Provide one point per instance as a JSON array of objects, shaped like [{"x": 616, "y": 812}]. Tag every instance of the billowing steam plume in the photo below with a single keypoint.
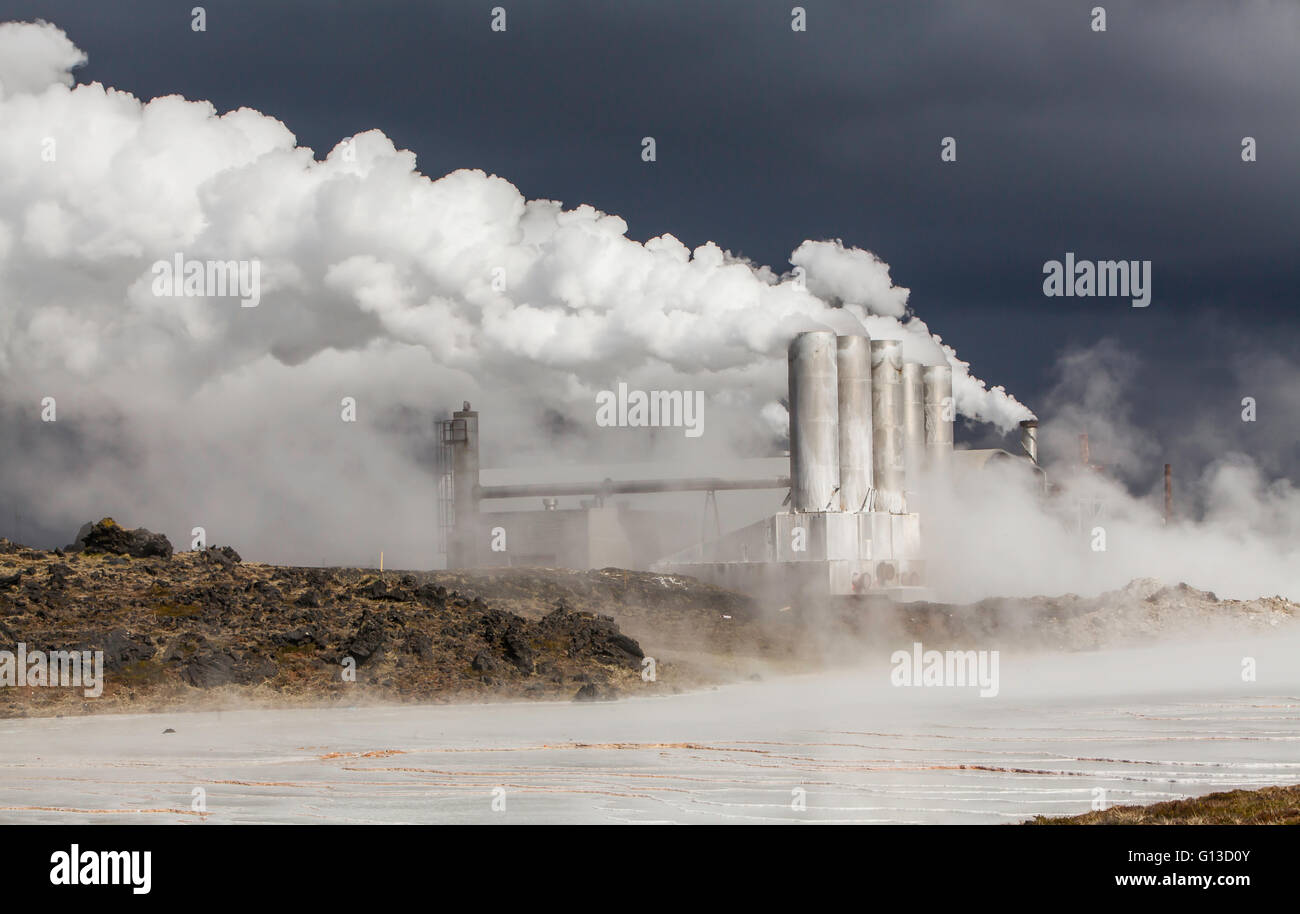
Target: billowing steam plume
[{"x": 377, "y": 283}]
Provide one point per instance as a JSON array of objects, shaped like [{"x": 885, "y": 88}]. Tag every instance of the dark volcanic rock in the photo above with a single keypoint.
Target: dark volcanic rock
[
  {"x": 224, "y": 556},
  {"x": 108, "y": 536},
  {"x": 58, "y": 575},
  {"x": 297, "y": 638},
  {"x": 228, "y": 551},
  {"x": 372, "y": 634},
  {"x": 121, "y": 648},
  {"x": 592, "y": 636},
  {"x": 419, "y": 644},
  {"x": 379, "y": 589},
  {"x": 433, "y": 595},
  {"x": 197, "y": 621},
  {"x": 209, "y": 668},
  {"x": 216, "y": 597},
  {"x": 518, "y": 651},
  {"x": 508, "y": 633},
  {"x": 267, "y": 591},
  {"x": 592, "y": 692}
]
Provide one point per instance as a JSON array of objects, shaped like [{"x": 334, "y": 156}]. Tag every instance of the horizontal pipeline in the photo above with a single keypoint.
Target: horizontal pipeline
[{"x": 630, "y": 487}]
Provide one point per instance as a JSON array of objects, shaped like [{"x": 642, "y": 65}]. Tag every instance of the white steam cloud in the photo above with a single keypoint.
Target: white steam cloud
[
  {"x": 408, "y": 294},
  {"x": 1233, "y": 530},
  {"x": 33, "y": 57}
]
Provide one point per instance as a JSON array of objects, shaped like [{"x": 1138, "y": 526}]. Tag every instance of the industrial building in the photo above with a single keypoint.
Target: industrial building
[{"x": 866, "y": 428}]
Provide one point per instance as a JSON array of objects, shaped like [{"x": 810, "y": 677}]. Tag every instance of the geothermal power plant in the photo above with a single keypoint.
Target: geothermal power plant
[{"x": 868, "y": 431}]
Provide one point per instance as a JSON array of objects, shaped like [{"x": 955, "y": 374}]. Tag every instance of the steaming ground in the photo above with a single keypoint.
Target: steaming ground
[
  {"x": 204, "y": 630},
  {"x": 1139, "y": 693},
  {"x": 1126, "y": 726}
]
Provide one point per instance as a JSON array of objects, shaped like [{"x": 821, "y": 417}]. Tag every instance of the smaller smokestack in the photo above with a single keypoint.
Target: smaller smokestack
[
  {"x": 1169, "y": 492},
  {"x": 462, "y": 548},
  {"x": 1085, "y": 458},
  {"x": 1029, "y": 439}
]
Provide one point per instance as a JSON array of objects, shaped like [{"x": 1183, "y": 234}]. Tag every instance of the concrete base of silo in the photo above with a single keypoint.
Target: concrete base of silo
[{"x": 793, "y": 557}]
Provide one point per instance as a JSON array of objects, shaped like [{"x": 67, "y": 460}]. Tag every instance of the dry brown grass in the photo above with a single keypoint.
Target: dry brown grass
[{"x": 1266, "y": 806}]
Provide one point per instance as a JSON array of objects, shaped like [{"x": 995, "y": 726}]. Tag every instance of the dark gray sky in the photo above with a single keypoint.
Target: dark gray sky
[{"x": 1124, "y": 144}]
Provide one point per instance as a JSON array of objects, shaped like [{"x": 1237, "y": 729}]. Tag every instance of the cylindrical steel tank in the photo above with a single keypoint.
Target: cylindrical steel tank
[
  {"x": 887, "y": 423},
  {"x": 939, "y": 413},
  {"x": 913, "y": 420},
  {"x": 853, "y": 370},
  {"x": 814, "y": 422}
]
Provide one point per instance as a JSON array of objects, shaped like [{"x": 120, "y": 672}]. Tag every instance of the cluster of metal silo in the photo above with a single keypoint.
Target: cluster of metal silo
[{"x": 861, "y": 419}]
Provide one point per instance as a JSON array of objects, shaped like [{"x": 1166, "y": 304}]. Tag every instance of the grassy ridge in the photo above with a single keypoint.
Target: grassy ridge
[{"x": 1266, "y": 806}]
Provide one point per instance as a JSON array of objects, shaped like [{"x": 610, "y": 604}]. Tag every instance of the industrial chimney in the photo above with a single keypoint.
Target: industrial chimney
[
  {"x": 853, "y": 368},
  {"x": 814, "y": 422},
  {"x": 462, "y": 546},
  {"x": 1029, "y": 439},
  {"x": 887, "y": 424}
]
